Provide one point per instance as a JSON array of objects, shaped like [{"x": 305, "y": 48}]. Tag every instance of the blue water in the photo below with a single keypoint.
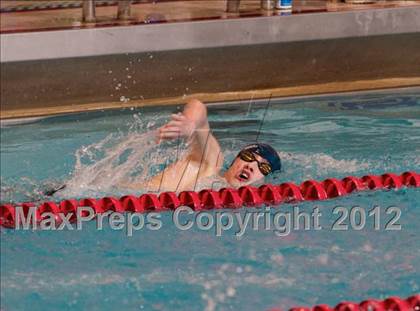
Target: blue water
[{"x": 171, "y": 269}]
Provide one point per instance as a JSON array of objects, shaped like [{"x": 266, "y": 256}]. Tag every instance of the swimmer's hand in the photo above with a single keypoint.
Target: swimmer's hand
[{"x": 179, "y": 127}]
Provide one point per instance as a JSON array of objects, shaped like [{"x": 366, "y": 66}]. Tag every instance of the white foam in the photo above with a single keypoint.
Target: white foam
[
  {"x": 318, "y": 127},
  {"x": 100, "y": 167},
  {"x": 324, "y": 162},
  {"x": 119, "y": 159}
]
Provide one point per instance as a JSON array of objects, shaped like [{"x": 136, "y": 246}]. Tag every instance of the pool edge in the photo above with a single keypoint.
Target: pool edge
[{"x": 231, "y": 96}]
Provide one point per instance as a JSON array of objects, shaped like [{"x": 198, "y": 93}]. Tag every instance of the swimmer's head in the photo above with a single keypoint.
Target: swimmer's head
[{"x": 252, "y": 164}]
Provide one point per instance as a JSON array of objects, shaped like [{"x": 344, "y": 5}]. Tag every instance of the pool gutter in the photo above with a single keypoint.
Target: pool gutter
[{"x": 225, "y": 97}]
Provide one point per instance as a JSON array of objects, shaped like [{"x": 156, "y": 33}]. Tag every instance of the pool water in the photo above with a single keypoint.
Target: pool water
[{"x": 171, "y": 269}]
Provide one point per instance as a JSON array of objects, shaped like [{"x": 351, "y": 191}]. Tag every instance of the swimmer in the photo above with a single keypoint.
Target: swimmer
[{"x": 205, "y": 157}]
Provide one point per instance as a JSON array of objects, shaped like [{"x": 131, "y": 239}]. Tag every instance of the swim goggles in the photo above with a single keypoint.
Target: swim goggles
[{"x": 249, "y": 156}]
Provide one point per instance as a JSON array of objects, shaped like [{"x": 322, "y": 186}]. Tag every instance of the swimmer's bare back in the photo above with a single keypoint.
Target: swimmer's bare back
[{"x": 182, "y": 175}]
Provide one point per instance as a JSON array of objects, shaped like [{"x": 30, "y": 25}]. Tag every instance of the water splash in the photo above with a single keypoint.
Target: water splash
[
  {"x": 106, "y": 167},
  {"x": 102, "y": 166},
  {"x": 24, "y": 189},
  {"x": 324, "y": 162}
]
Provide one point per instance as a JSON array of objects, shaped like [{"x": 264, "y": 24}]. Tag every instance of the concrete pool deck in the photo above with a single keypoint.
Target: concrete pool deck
[{"x": 49, "y": 65}]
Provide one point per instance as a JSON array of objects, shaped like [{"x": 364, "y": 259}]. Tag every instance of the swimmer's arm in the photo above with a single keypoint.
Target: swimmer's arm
[
  {"x": 205, "y": 148},
  {"x": 193, "y": 123},
  {"x": 205, "y": 151}
]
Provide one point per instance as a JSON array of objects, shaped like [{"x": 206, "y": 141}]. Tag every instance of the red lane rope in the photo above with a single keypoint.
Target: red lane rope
[
  {"x": 249, "y": 196},
  {"x": 411, "y": 303}
]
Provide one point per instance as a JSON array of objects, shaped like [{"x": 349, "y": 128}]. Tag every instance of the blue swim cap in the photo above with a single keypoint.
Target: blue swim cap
[{"x": 268, "y": 153}]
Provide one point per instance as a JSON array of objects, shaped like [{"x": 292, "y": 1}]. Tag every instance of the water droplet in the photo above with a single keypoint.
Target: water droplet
[
  {"x": 230, "y": 291},
  {"x": 124, "y": 99}
]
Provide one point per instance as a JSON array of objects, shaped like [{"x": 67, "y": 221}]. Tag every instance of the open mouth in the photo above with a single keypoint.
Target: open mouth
[{"x": 243, "y": 176}]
